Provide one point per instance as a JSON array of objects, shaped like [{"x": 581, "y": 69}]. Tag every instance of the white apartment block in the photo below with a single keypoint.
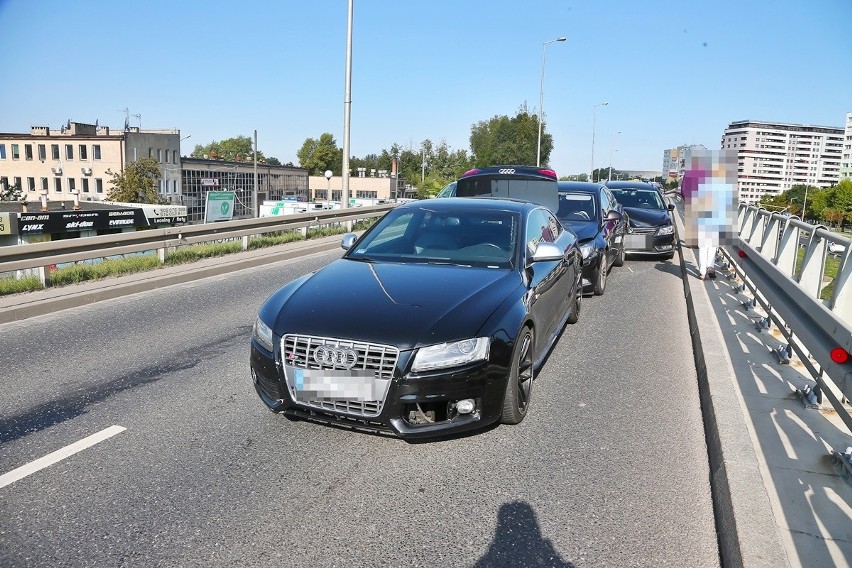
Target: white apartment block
[
  {"x": 774, "y": 156},
  {"x": 74, "y": 160},
  {"x": 846, "y": 160}
]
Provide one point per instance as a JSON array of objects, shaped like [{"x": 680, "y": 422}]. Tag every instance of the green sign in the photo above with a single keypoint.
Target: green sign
[{"x": 219, "y": 207}]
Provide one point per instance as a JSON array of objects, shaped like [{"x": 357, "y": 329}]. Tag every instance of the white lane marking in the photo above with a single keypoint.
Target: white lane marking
[{"x": 59, "y": 455}]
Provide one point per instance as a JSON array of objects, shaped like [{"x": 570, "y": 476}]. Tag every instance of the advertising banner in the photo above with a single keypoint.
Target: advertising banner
[
  {"x": 219, "y": 206},
  {"x": 74, "y": 221},
  {"x": 5, "y": 224}
]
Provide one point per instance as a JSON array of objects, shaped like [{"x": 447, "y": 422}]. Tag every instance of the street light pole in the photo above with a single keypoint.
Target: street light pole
[
  {"x": 347, "y": 111},
  {"x": 594, "y": 109},
  {"x": 541, "y": 96},
  {"x": 611, "y": 150}
]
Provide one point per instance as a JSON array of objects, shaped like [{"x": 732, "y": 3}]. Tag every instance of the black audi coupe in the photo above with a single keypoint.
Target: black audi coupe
[{"x": 432, "y": 323}]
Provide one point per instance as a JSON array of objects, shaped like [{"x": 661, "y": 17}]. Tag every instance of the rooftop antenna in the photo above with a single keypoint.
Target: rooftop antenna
[{"x": 139, "y": 117}]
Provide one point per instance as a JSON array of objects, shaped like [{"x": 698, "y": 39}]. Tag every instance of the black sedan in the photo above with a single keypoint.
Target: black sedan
[
  {"x": 591, "y": 211},
  {"x": 650, "y": 230},
  {"x": 433, "y": 322}
]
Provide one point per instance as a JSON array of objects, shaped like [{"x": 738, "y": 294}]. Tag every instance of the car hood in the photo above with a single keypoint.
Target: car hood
[
  {"x": 648, "y": 217},
  {"x": 583, "y": 229},
  {"x": 405, "y": 305}
]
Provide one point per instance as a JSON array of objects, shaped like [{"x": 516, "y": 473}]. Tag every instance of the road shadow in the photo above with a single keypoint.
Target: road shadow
[{"x": 518, "y": 541}]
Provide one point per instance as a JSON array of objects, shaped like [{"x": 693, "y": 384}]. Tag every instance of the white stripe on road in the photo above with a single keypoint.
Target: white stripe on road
[{"x": 59, "y": 455}]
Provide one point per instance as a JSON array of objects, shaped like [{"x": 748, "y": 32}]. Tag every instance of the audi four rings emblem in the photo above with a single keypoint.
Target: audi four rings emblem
[
  {"x": 507, "y": 171},
  {"x": 335, "y": 356}
]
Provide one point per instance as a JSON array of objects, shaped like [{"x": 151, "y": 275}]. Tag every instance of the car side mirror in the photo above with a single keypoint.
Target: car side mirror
[
  {"x": 348, "y": 240},
  {"x": 671, "y": 207},
  {"x": 547, "y": 252},
  {"x": 613, "y": 215}
]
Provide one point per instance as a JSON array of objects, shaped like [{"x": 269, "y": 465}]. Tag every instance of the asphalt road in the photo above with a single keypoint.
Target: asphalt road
[{"x": 608, "y": 469}]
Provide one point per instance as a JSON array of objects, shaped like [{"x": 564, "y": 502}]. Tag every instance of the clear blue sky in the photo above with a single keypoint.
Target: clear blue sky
[{"x": 673, "y": 71}]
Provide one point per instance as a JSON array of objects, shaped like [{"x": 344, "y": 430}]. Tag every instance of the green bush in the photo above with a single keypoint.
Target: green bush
[
  {"x": 272, "y": 239},
  {"x": 16, "y": 285},
  {"x": 109, "y": 267},
  {"x": 197, "y": 252}
]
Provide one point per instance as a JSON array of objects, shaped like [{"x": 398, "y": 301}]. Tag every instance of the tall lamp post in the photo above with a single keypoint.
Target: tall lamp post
[
  {"x": 594, "y": 109},
  {"x": 541, "y": 96},
  {"x": 611, "y": 150}
]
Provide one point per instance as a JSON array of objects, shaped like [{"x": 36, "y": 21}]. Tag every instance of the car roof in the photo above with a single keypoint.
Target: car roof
[
  {"x": 630, "y": 185},
  {"x": 511, "y": 169},
  {"x": 584, "y": 186}
]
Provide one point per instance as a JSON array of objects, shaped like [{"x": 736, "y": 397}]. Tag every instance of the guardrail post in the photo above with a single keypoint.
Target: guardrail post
[
  {"x": 841, "y": 298},
  {"x": 245, "y": 242},
  {"x": 162, "y": 253},
  {"x": 786, "y": 258},
  {"x": 42, "y": 272},
  {"x": 810, "y": 277},
  {"x": 769, "y": 244}
]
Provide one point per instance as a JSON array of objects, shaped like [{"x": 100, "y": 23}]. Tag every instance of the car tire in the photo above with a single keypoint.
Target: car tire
[
  {"x": 669, "y": 256},
  {"x": 619, "y": 258},
  {"x": 574, "y": 317},
  {"x": 521, "y": 376},
  {"x": 600, "y": 275}
]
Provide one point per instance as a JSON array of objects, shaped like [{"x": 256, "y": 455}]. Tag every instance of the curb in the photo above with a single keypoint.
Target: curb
[
  {"x": 22, "y": 306},
  {"x": 745, "y": 525}
]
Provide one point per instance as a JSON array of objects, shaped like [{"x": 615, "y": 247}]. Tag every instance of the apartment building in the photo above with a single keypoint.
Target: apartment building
[
  {"x": 846, "y": 160},
  {"x": 774, "y": 156},
  {"x": 676, "y": 159},
  {"x": 74, "y": 160}
]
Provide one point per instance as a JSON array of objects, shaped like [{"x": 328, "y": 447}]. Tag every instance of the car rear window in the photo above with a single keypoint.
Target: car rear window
[
  {"x": 536, "y": 190},
  {"x": 639, "y": 198},
  {"x": 576, "y": 207}
]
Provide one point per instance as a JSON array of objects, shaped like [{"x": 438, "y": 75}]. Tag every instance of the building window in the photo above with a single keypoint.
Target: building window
[
  {"x": 84, "y": 155},
  {"x": 159, "y": 155},
  {"x": 2, "y": 151},
  {"x": 54, "y": 151},
  {"x": 44, "y": 185},
  {"x": 28, "y": 151},
  {"x": 69, "y": 151},
  {"x": 30, "y": 184},
  {"x": 16, "y": 152},
  {"x": 42, "y": 152},
  {"x": 174, "y": 186},
  {"x": 17, "y": 183},
  {"x": 57, "y": 184},
  {"x": 96, "y": 151},
  {"x": 85, "y": 183},
  {"x": 99, "y": 185},
  {"x": 72, "y": 184},
  {"x": 174, "y": 156},
  {"x": 150, "y": 152}
]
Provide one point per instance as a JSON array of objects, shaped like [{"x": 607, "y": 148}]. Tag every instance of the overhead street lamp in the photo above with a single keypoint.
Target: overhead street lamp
[
  {"x": 594, "y": 108},
  {"x": 611, "y": 150},
  {"x": 541, "y": 96}
]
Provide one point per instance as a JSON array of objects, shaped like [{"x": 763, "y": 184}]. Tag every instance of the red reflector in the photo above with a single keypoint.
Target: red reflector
[
  {"x": 470, "y": 173},
  {"x": 548, "y": 173},
  {"x": 839, "y": 355},
  {"x": 741, "y": 254}
]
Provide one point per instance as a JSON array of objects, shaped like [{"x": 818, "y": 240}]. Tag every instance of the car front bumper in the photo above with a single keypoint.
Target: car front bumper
[
  {"x": 415, "y": 406},
  {"x": 648, "y": 243}
]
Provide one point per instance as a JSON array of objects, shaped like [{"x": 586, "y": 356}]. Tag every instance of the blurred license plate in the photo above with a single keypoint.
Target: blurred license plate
[
  {"x": 328, "y": 384},
  {"x": 638, "y": 242}
]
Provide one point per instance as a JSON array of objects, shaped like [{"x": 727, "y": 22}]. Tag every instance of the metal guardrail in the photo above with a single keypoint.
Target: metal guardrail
[
  {"x": 41, "y": 255},
  {"x": 791, "y": 292}
]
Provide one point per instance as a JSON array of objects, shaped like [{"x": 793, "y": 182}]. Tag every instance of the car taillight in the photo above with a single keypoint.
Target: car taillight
[
  {"x": 470, "y": 173},
  {"x": 548, "y": 173},
  {"x": 839, "y": 355}
]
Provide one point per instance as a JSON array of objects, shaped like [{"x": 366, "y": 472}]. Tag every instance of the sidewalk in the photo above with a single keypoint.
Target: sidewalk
[
  {"x": 779, "y": 501},
  {"x": 21, "y": 306}
]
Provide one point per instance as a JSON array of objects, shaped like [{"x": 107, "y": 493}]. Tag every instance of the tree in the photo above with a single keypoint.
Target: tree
[
  {"x": 504, "y": 140},
  {"x": 138, "y": 183},
  {"x": 317, "y": 156},
  {"x": 236, "y": 149},
  {"x": 10, "y": 192}
]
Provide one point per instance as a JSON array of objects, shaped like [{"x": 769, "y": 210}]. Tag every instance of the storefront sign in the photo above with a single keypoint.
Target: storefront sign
[{"x": 219, "y": 206}]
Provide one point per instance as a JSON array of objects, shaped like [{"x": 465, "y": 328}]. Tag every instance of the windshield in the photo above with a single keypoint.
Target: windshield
[
  {"x": 448, "y": 191},
  {"x": 639, "y": 198},
  {"x": 576, "y": 207},
  {"x": 481, "y": 237}
]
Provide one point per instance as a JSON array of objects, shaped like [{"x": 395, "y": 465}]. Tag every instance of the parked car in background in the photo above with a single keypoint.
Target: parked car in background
[
  {"x": 433, "y": 322},
  {"x": 836, "y": 248},
  {"x": 527, "y": 183},
  {"x": 650, "y": 230},
  {"x": 592, "y": 212}
]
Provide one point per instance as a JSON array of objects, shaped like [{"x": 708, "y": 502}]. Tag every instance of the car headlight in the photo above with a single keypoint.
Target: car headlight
[
  {"x": 667, "y": 230},
  {"x": 451, "y": 354},
  {"x": 262, "y": 334},
  {"x": 587, "y": 249}
]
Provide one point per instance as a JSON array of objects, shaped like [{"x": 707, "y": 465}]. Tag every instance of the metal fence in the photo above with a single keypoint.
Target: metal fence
[
  {"x": 800, "y": 275},
  {"x": 39, "y": 256}
]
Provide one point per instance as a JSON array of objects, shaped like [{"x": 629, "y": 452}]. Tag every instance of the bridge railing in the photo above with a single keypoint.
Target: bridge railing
[
  {"x": 783, "y": 261},
  {"x": 39, "y": 256}
]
